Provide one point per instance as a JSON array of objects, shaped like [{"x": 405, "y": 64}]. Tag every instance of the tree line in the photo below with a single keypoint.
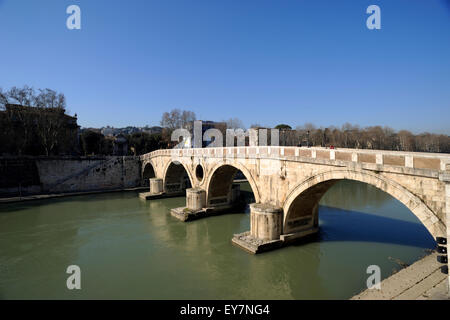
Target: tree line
[
  {"x": 373, "y": 137},
  {"x": 36, "y": 123},
  {"x": 93, "y": 142}
]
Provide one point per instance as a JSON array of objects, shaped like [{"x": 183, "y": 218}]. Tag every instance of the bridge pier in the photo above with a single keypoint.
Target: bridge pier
[
  {"x": 266, "y": 221},
  {"x": 156, "y": 186},
  {"x": 266, "y": 230},
  {"x": 195, "y": 199},
  {"x": 266, "y": 227},
  {"x": 195, "y": 206},
  {"x": 156, "y": 190}
]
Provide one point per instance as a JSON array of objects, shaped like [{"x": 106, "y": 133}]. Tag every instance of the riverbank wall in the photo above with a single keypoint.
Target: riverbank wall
[{"x": 21, "y": 176}]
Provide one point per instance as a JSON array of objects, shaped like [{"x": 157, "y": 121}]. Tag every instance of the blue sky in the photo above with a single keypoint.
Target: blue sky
[{"x": 265, "y": 62}]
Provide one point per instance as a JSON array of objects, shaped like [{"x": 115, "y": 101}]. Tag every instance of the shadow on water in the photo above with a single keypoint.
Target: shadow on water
[{"x": 353, "y": 226}]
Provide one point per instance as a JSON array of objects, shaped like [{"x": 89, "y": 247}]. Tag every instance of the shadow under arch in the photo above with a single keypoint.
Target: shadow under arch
[
  {"x": 176, "y": 178},
  {"x": 220, "y": 182},
  {"x": 301, "y": 205},
  {"x": 148, "y": 172},
  {"x": 355, "y": 226}
]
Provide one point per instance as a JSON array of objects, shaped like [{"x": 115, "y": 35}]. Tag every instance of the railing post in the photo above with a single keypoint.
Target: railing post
[
  {"x": 379, "y": 158},
  {"x": 409, "y": 161}
]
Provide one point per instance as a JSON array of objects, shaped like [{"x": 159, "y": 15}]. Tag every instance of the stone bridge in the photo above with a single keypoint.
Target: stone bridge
[{"x": 288, "y": 183}]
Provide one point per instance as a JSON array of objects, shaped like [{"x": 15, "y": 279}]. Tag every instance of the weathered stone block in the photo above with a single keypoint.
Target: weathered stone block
[
  {"x": 265, "y": 221},
  {"x": 156, "y": 186},
  {"x": 195, "y": 199}
]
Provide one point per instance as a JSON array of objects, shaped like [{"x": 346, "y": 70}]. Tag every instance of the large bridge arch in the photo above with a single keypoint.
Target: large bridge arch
[
  {"x": 175, "y": 174},
  {"x": 302, "y": 201},
  {"x": 229, "y": 170}
]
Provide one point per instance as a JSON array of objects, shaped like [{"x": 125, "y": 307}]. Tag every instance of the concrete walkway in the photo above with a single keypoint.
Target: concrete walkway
[{"x": 422, "y": 280}]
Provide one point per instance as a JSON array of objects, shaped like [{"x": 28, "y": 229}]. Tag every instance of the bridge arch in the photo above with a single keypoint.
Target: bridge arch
[
  {"x": 176, "y": 177},
  {"x": 302, "y": 201},
  {"x": 148, "y": 171},
  {"x": 227, "y": 171}
]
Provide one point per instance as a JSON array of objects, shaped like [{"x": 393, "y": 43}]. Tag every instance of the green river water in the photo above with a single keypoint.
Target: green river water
[{"x": 133, "y": 249}]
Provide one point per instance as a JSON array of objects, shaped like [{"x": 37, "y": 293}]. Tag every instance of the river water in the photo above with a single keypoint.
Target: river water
[{"x": 127, "y": 248}]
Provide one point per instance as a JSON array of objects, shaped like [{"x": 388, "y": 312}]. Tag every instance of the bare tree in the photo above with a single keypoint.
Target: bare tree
[
  {"x": 16, "y": 118},
  {"x": 235, "y": 123},
  {"x": 187, "y": 117},
  {"x": 375, "y": 137},
  {"x": 351, "y": 137},
  {"x": 23, "y": 96},
  {"x": 170, "y": 120},
  {"x": 45, "y": 117},
  {"x": 27, "y": 97},
  {"x": 405, "y": 140},
  {"x": 48, "y": 98},
  {"x": 306, "y": 127},
  {"x": 177, "y": 119},
  {"x": 49, "y": 127}
]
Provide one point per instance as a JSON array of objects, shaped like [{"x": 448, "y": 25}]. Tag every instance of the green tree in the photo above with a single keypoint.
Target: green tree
[{"x": 283, "y": 126}]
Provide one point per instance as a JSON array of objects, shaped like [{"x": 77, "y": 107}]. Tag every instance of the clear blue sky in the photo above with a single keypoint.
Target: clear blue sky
[{"x": 265, "y": 62}]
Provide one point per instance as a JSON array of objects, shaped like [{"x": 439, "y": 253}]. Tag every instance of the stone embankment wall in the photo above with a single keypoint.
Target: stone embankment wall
[{"x": 67, "y": 174}]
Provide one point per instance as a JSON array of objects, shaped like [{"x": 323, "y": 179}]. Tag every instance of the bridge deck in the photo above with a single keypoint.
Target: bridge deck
[{"x": 372, "y": 158}]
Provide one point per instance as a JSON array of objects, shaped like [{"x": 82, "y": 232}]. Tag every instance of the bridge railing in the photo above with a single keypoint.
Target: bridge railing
[{"x": 414, "y": 160}]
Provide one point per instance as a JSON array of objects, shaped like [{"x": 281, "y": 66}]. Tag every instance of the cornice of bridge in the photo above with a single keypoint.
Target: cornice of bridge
[{"x": 414, "y": 163}]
